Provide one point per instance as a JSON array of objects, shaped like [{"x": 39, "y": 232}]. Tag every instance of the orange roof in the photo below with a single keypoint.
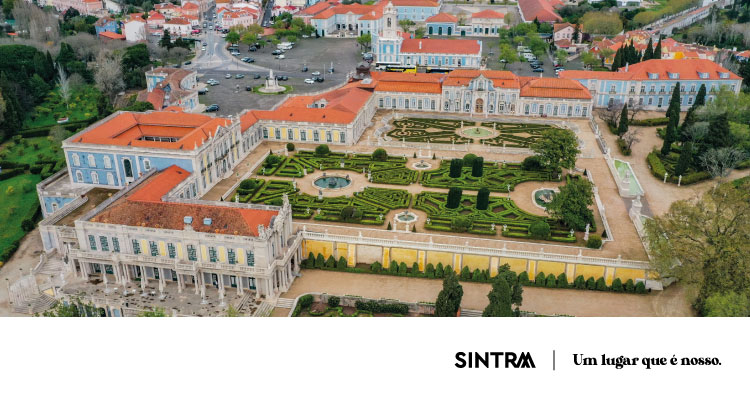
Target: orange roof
[
  {"x": 491, "y": 14},
  {"x": 564, "y": 43},
  {"x": 156, "y": 15},
  {"x": 745, "y": 54},
  {"x": 325, "y": 14},
  {"x": 543, "y": 10},
  {"x": 318, "y": 7},
  {"x": 559, "y": 27},
  {"x": 156, "y": 98},
  {"x": 408, "y": 87},
  {"x": 686, "y": 68},
  {"x": 190, "y": 6},
  {"x": 145, "y": 207},
  {"x": 128, "y": 129},
  {"x": 462, "y": 77},
  {"x": 442, "y": 17},
  {"x": 440, "y": 46},
  {"x": 599, "y": 75},
  {"x": 112, "y": 35},
  {"x": 247, "y": 120},
  {"x": 342, "y": 106},
  {"x": 553, "y": 88},
  {"x": 178, "y": 21},
  {"x": 414, "y": 3}
]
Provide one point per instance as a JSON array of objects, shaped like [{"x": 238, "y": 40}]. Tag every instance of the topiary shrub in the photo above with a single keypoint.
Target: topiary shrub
[
  {"x": 579, "y": 282},
  {"x": 540, "y": 279},
  {"x": 594, "y": 242},
  {"x": 305, "y": 301},
  {"x": 376, "y": 267},
  {"x": 415, "y": 270},
  {"x": 247, "y": 184},
  {"x": 272, "y": 160},
  {"x": 532, "y": 163},
  {"x": 342, "y": 263},
  {"x": 414, "y": 229},
  {"x": 290, "y": 146},
  {"x": 27, "y": 225},
  {"x": 539, "y": 229},
  {"x": 469, "y": 159},
  {"x": 551, "y": 281},
  {"x": 429, "y": 271},
  {"x": 322, "y": 150},
  {"x": 617, "y": 285},
  {"x": 402, "y": 269},
  {"x": 640, "y": 287},
  {"x": 591, "y": 284},
  {"x": 320, "y": 261},
  {"x": 334, "y": 301},
  {"x": 465, "y": 274},
  {"x": 389, "y": 226},
  {"x": 477, "y": 275},
  {"x": 523, "y": 278},
  {"x": 483, "y": 198},
  {"x": 562, "y": 281},
  {"x": 601, "y": 285},
  {"x": 393, "y": 269},
  {"x": 439, "y": 271},
  {"x": 477, "y": 167},
  {"x": 331, "y": 262},
  {"x": 454, "y": 197},
  {"x": 629, "y": 286},
  {"x": 455, "y": 169},
  {"x": 461, "y": 224},
  {"x": 379, "y": 155}
]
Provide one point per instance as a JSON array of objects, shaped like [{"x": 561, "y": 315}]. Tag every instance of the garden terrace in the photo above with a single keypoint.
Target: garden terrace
[
  {"x": 392, "y": 170},
  {"x": 500, "y": 211},
  {"x": 433, "y": 130},
  {"x": 496, "y": 178},
  {"x": 370, "y": 204}
]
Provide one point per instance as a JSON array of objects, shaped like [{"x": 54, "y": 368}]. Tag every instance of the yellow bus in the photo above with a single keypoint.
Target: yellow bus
[{"x": 401, "y": 68}]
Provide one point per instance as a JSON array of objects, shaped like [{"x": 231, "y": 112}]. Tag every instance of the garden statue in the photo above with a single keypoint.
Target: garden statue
[
  {"x": 307, "y": 211},
  {"x": 263, "y": 171},
  {"x": 318, "y": 211},
  {"x": 679, "y": 180},
  {"x": 236, "y": 198},
  {"x": 586, "y": 235},
  {"x": 294, "y": 184},
  {"x": 304, "y": 171},
  {"x": 571, "y": 233},
  {"x": 380, "y": 217},
  {"x": 665, "y": 177},
  {"x": 320, "y": 195},
  {"x": 428, "y": 221},
  {"x": 505, "y": 228},
  {"x": 492, "y": 226},
  {"x": 341, "y": 163}
]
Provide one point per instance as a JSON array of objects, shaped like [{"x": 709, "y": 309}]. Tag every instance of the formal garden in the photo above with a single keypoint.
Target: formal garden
[
  {"x": 448, "y": 131},
  {"x": 333, "y": 307},
  {"x": 81, "y": 106},
  {"x": 472, "y": 173}
]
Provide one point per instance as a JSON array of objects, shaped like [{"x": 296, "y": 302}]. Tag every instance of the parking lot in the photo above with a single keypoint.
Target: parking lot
[
  {"x": 316, "y": 54},
  {"x": 521, "y": 68}
]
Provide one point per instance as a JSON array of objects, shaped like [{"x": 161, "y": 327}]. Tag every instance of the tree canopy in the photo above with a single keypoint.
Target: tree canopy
[
  {"x": 557, "y": 148},
  {"x": 572, "y": 204}
]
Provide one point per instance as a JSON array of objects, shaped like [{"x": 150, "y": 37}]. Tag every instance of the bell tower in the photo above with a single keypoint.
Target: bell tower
[{"x": 390, "y": 21}]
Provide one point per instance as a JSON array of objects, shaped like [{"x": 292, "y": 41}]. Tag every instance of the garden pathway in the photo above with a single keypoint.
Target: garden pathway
[{"x": 583, "y": 303}]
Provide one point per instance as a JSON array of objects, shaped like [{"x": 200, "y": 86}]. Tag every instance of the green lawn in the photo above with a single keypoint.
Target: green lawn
[
  {"x": 16, "y": 206},
  {"x": 34, "y": 150},
  {"x": 82, "y": 107}
]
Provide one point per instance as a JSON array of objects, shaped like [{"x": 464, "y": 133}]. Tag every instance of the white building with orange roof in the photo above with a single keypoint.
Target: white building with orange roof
[
  {"x": 170, "y": 87},
  {"x": 237, "y": 18},
  {"x": 487, "y": 23},
  {"x": 134, "y": 28},
  {"x": 85, "y": 7},
  {"x": 167, "y": 9},
  {"x": 442, "y": 24},
  {"x": 178, "y": 26},
  {"x": 156, "y": 20},
  {"x": 203, "y": 5}
]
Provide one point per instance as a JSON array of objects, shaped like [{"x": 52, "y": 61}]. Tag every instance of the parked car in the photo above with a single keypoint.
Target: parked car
[
  {"x": 256, "y": 76},
  {"x": 316, "y": 73},
  {"x": 319, "y": 79},
  {"x": 309, "y": 81},
  {"x": 304, "y": 68},
  {"x": 253, "y": 48},
  {"x": 283, "y": 78},
  {"x": 276, "y": 52},
  {"x": 239, "y": 76},
  {"x": 280, "y": 57},
  {"x": 244, "y": 59},
  {"x": 188, "y": 62},
  {"x": 212, "y": 108},
  {"x": 305, "y": 36},
  {"x": 212, "y": 82},
  {"x": 235, "y": 53},
  {"x": 203, "y": 91},
  {"x": 248, "y": 88},
  {"x": 331, "y": 70},
  {"x": 228, "y": 76},
  {"x": 250, "y": 60},
  {"x": 538, "y": 70}
]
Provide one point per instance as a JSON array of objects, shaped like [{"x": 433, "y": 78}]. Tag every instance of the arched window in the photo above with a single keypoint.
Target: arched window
[
  {"x": 110, "y": 179},
  {"x": 79, "y": 176},
  {"x": 76, "y": 160},
  {"x": 389, "y": 22},
  {"x": 92, "y": 161},
  {"x": 107, "y": 162},
  {"x": 128, "y": 167},
  {"x": 146, "y": 164},
  {"x": 94, "y": 178}
]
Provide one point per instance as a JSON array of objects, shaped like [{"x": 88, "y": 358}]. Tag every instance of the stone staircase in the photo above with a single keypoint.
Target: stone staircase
[
  {"x": 52, "y": 266},
  {"x": 34, "y": 304},
  {"x": 246, "y": 299},
  {"x": 470, "y": 313},
  {"x": 265, "y": 309},
  {"x": 284, "y": 303},
  {"x": 27, "y": 298}
]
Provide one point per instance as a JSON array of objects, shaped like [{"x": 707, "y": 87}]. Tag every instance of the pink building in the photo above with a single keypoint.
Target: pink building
[
  {"x": 237, "y": 18},
  {"x": 85, "y": 7}
]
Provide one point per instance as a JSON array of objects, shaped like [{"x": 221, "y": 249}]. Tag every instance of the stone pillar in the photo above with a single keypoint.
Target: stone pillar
[
  {"x": 198, "y": 281},
  {"x": 144, "y": 278},
  {"x": 162, "y": 281},
  {"x": 84, "y": 270},
  {"x": 104, "y": 274},
  {"x": 239, "y": 285},
  {"x": 180, "y": 282}
]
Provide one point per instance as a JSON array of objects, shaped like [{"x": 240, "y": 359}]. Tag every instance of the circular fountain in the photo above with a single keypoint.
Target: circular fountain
[
  {"x": 332, "y": 182},
  {"x": 543, "y": 196},
  {"x": 421, "y": 165}
]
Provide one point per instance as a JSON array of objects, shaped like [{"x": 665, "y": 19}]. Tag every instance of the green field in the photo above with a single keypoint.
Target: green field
[
  {"x": 82, "y": 107},
  {"x": 15, "y": 206}
]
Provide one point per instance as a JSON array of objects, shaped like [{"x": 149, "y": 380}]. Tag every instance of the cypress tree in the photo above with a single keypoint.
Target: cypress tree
[
  {"x": 623, "y": 126},
  {"x": 499, "y": 299},
  {"x": 13, "y": 115},
  {"x": 649, "y": 52},
  {"x": 477, "y": 168},
  {"x": 455, "y": 168},
  {"x": 657, "y": 50},
  {"x": 454, "y": 197},
  {"x": 449, "y": 299},
  {"x": 669, "y": 138},
  {"x": 483, "y": 198},
  {"x": 50, "y": 64},
  {"x": 617, "y": 63},
  {"x": 700, "y": 98},
  {"x": 686, "y": 158}
]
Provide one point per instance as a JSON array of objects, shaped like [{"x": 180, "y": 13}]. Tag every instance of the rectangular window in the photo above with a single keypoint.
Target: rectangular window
[
  {"x": 171, "y": 251},
  {"x": 329, "y": 137},
  {"x": 316, "y": 136},
  {"x": 115, "y": 245},
  {"x": 342, "y": 137},
  {"x": 303, "y": 134},
  {"x": 250, "y": 258},
  {"x": 136, "y": 247},
  {"x": 191, "y": 253},
  {"x": 154, "y": 249},
  {"x": 231, "y": 256},
  {"x": 277, "y": 133},
  {"x": 212, "y": 254},
  {"x": 290, "y": 134},
  {"x": 92, "y": 242},
  {"x": 105, "y": 244}
]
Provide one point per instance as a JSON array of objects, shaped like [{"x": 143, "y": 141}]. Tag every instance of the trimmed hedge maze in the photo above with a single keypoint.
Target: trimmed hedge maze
[
  {"x": 368, "y": 205},
  {"x": 443, "y": 131},
  {"x": 495, "y": 178},
  {"x": 393, "y": 170},
  {"x": 434, "y": 130},
  {"x": 501, "y": 211}
]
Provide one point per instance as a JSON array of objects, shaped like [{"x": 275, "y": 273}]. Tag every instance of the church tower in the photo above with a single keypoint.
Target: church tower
[{"x": 387, "y": 44}]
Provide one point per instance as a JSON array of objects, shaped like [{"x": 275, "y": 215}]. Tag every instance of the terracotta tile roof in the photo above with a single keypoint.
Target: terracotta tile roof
[
  {"x": 190, "y": 6},
  {"x": 318, "y": 7},
  {"x": 144, "y": 207},
  {"x": 440, "y": 46},
  {"x": 599, "y": 75},
  {"x": 553, "y": 88},
  {"x": 156, "y": 15},
  {"x": 543, "y": 10},
  {"x": 178, "y": 21},
  {"x": 112, "y": 35},
  {"x": 401, "y": 77},
  {"x": 127, "y": 128},
  {"x": 408, "y": 87},
  {"x": 442, "y": 17},
  {"x": 156, "y": 98},
  {"x": 559, "y": 27},
  {"x": 564, "y": 43},
  {"x": 325, "y": 14},
  {"x": 414, "y": 3},
  {"x": 745, "y": 54},
  {"x": 247, "y": 120},
  {"x": 342, "y": 107},
  {"x": 688, "y": 69},
  {"x": 490, "y": 14},
  {"x": 500, "y": 79},
  {"x": 103, "y": 21}
]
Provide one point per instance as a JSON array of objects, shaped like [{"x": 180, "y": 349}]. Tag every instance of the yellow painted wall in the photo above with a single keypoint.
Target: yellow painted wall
[
  {"x": 162, "y": 248},
  {"x": 315, "y": 246},
  {"x": 341, "y": 250},
  {"x": 517, "y": 265},
  {"x": 222, "y": 254},
  {"x": 408, "y": 256},
  {"x": 532, "y": 270},
  {"x": 204, "y": 253},
  {"x": 178, "y": 246},
  {"x": 420, "y": 260},
  {"x": 494, "y": 262},
  {"x": 386, "y": 257},
  {"x": 549, "y": 267},
  {"x": 474, "y": 261},
  {"x": 351, "y": 256},
  {"x": 629, "y": 273},
  {"x": 457, "y": 262},
  {"x": 435, "y": 257},
  {"x": 588, "y": 271},
  {"x": 145, "y": 248},
  {"x": 296, "y": 134},
  {"x": 241, "y": 256}
]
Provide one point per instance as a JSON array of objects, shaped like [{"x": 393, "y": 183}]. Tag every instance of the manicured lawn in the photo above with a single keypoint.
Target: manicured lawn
[
  {"x": 496, "y": 177},
  {"x": 16, "y": 206},
  {"x": 82, "y": 106},
  {"x": 34, "y": 150}
]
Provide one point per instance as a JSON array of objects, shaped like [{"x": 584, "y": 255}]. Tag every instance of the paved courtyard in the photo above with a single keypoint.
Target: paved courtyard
[{"x": 580, "y": 303}]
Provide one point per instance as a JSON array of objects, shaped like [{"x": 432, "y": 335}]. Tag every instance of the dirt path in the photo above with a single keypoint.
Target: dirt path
[
  {"x": 581, "y": 303},
  {"x": 25, "y": 258}
]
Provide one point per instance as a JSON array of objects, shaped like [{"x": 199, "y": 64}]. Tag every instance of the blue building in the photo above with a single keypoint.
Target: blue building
[
  {"x": 441, "y": 24},
  {"x": 106, "y": 24}
]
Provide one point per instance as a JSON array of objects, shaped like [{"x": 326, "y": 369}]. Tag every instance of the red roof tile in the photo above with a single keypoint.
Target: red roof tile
[
  {"x": 501, "y": 79},
  {"x": 543, "y": 10},
  {"x": 490, "y": 14},
  {"x": 414, "y": 3},
  {"x": 553, "y": 88},
  {"x": 442, "y": 17},
  {"x": 112, "y": 35}
]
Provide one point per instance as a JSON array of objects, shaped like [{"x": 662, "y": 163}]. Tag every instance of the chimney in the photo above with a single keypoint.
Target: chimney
[
  {"x": 420, "y": 45},
  {"x": 626, "y": 66}
]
